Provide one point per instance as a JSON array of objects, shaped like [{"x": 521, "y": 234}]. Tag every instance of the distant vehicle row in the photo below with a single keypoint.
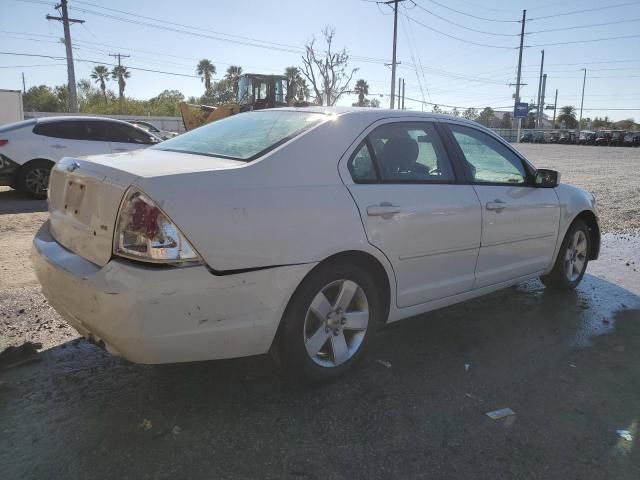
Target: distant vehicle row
[
  {"x": 610, "y": 138},
  {"x": 29, "y": 149}
]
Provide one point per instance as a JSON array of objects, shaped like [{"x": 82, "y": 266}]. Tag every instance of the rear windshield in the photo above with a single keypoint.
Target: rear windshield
[
  {"x": 245, "y": 136},
  {"x": 17, "y": 125}
]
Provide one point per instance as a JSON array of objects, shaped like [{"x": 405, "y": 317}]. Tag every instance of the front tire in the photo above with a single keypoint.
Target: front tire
[
  {"x": 33, "y": 178},
  {"x": 329, "y": 322},
  {"x": 572, "y": 259}
]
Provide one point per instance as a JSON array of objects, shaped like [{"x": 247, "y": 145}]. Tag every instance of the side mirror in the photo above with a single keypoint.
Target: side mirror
[{"x": 547, "y": 178}]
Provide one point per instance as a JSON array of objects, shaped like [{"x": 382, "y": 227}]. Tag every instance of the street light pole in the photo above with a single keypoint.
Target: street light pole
[{"x": 584, "y": 81}]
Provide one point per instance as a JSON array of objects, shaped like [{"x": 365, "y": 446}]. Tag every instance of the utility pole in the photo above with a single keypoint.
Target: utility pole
[
  {"x": 24, "y": 86},
  {"x": 393, "y": 60},
  {"x": 584, "y": 81},
  {"x": 403, "y": 94},
  {"x": 538, "y": 118},
  {"x": 399, "y": 92},
  {"x": 524, "y": 20},
  {"x": 118, "y": 56},
  {"x": 555, "y": 108},
  {"x": 541, "y": 102},
  {"x": 71, "y": 74}
]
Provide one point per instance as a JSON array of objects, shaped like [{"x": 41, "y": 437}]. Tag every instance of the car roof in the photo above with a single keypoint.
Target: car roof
[
  {"x": 376, "y": 113},
  {"x": 82, "y": 118}
]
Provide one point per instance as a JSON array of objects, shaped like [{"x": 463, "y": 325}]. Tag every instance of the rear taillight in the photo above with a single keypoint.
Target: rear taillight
[
  {"x": 3, "y": 142},
  {"x": 144, "y": 232}
]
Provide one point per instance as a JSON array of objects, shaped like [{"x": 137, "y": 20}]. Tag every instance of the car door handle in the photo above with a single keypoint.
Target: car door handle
[
  {"x": 385, "y": 209},
  {"x": 58, "y": 146},
  {"x": 497, "y": 205},
  {"x": 118, "y": 149}
]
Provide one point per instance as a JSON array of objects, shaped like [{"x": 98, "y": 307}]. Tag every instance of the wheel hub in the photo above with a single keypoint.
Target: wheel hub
[{"x": 335, "y": 321}]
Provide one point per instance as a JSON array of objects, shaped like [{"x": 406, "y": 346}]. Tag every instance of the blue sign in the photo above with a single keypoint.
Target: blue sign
[{"x": 520, "y": 110}]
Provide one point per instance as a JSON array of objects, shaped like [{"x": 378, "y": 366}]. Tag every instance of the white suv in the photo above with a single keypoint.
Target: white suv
[{"x": 29, "y": 149}]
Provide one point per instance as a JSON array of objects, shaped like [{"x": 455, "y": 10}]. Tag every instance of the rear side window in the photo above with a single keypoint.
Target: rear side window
[
  {"x": 245, "y": 136},
  {"x": 69, "y": 130},
  {"x": 403, "y": 152}
]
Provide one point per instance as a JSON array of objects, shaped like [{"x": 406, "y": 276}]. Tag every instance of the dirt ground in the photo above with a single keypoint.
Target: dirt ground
[{"x": 567, "y": 364}]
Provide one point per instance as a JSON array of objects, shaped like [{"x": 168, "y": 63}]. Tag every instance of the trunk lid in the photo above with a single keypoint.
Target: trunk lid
[{"x": 85, "y": 194}]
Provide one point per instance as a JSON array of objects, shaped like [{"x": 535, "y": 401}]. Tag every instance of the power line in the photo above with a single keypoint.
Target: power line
[
  {"x": 464, "y": 26},
  {"x": 561, "y": 29},
  {"x": 583, "y": 41},
  {"x": 576, "y": 12},
  {"x": 101, "y": 63},
  {"x": 474, "y": 16},
  {"x": 457, "y": 38}
]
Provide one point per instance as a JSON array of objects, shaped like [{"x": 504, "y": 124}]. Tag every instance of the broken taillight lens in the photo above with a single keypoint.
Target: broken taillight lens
[{"x": 144, "y": 232}]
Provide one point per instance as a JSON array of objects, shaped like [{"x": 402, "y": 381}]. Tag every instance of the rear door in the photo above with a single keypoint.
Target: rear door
[
  {"x": 414, "y": 209},
  {"x": 71, "y": 138},
  {"x": 519, "y": 221}
]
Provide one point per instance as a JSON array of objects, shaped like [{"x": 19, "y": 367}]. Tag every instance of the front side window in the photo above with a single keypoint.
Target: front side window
[
  {"x": 245, "y": 136},
  {"x": 488, "y": 160},
  {"x": 410, "y": 152}
]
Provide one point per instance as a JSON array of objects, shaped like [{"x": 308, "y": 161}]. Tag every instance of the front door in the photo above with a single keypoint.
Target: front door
[
  {"x": 519, "y": 221},
  {"x": 415, "y": 211}
]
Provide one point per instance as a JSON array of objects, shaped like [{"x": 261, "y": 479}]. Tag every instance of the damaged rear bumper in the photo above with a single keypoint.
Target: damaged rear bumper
[{"x": 164, "y": 315}]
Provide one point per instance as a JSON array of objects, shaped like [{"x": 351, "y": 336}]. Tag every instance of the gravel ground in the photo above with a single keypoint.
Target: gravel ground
[
  {"x": 415, "y": 408},
  {"x": 610, "y": 173}
]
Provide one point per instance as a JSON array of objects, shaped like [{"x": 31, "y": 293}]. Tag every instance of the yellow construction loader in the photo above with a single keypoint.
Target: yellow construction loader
[{"x": 255, "y": 92}]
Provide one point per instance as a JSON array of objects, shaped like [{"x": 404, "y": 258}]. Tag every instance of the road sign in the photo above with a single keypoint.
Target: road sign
[{"x": 520, "y": 110}]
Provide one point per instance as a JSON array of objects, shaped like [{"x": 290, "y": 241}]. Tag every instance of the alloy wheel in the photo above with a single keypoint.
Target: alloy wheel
[
  {"x": 336, "y": 323},
  {"x": 575, "y": 256},
  {"x": 37, "y": 180}
]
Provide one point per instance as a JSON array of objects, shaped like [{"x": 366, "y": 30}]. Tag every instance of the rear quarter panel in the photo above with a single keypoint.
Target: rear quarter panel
[{"x": 288, "y": 207}]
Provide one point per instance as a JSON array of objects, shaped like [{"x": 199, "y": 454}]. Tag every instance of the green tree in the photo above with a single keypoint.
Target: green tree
[
  {"x": 166, "y": 103},
  {"x": 206, "y": 69},
  {"x": 294, "y": 83},
  {"x": 120, "y": 73},
  {"x": 100, "y": 75},
  {"x": 362, "y": 90},
  {"x": 568, "y": 116},
  {"x": 220, "y": 93},
  {"x": 507, "y": 120},
  {"x": 455, "y": 112},
  {"x": 233, "y": 76},
  {"x": 470, "y": 113},
  {"x": 486, "y": 116},
  {"x": 374, "y": 103},
  {"x": 436, "y": 109},
  {"x": 42, "y": 99}
]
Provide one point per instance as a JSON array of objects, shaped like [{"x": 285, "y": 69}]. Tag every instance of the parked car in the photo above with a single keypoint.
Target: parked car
[
  {"x": 567, "y": 137},
  {"x": 527, "y": 137},
  {"x": 29, "y": 149},
  {"x": 587, "y": 137},
  {"x": 149, "y": 127},
  {"x": 632, "y": 139},
  {"x": 554, "y": 137},
  {"x": 617, "y": 138},
  {"x": 603, "y": 138},
  {"x": 300, "y": 232}
]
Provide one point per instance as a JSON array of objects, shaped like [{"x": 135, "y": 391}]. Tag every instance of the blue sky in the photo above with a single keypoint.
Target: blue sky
[{"x": 266, "y": 36}]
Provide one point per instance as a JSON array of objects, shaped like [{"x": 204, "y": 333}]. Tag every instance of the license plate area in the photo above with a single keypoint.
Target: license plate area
[{"x": 74, "y": 197}]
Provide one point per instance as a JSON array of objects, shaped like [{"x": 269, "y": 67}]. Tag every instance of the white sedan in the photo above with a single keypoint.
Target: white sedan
[
  {"x": 29, "y": 149},
  {"x": 299, "y": 232}
]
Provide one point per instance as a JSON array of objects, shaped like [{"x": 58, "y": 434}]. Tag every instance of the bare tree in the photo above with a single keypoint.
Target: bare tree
[{"x": 327, "y": 71}]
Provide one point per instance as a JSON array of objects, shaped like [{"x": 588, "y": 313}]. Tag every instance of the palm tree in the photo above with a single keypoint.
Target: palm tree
[
  {"x": 100, "y": 74},
  {"x": 233, "y": 75},
  {"x": 362, "y": 89},
  {"x": 120, "y": 73},
  {"x": 568, "y": 116},
  {"x": 303, "y": 90},
  {"x": 294, "y": 80},
  {"x": 206, "y": 69}
]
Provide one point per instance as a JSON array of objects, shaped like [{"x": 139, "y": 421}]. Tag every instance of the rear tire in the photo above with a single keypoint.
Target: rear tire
[
  {"x": 572, "y": 259},
  {"x": 328, "y": 323},
  {"x": 33, "y": 178}
]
